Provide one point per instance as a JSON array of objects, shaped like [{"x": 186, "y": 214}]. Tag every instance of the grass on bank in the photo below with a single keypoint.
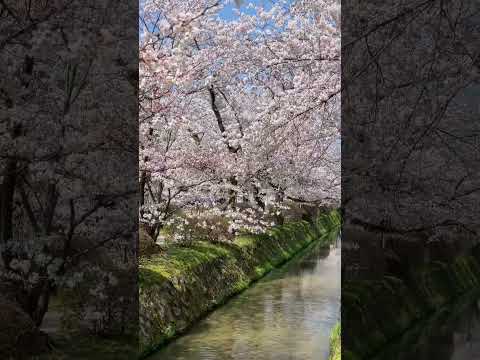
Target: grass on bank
[
  {"x": 178, "y": 260},
  {"x": 336, "y": 343}
]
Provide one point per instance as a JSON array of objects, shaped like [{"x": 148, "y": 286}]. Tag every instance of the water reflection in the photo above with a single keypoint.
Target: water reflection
[
  {"x": 286, "y": 316},
  {"x": 466, "y": 338},
  {"x": 452, "y": 334}
]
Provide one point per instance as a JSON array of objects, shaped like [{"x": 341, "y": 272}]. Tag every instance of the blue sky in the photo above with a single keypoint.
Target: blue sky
[{"x": 228, "y": 12}]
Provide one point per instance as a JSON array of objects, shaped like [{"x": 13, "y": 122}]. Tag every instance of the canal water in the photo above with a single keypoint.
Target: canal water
[
  {"x": 288, "y": 315},
  {"x": 452, "y": 334},
  {"x": 466, "y": 336}
]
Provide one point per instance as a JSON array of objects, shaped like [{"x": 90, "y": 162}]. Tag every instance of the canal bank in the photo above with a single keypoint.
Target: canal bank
[
  {"x": 178, "y": 289},
  {"x": 393, "y": 314},
  {"x": 451, "y": 333},
  {"x": 336, "y": 343},
  {"x": 286, "y": 315}
]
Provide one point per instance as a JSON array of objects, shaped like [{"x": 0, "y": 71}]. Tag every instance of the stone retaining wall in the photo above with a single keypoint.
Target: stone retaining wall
[{"x": 378, "y": 312}]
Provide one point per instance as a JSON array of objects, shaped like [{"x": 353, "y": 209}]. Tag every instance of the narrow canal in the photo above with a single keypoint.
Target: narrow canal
[{"x": 288, "y": 315}]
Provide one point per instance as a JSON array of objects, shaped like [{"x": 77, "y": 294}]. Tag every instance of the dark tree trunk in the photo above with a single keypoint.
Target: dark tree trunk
[
  {"x": 52, "y": 200},
  {"x": 258, "y": 199},
  {"x": 231, "y": 149},
  {"x": 280, "y": 197},
  {"x": 38, "y": 301},
  {"x": 232, "y": 196},
  {"x": 6, "y": 207},
  {"x": 143, "y": 183}
]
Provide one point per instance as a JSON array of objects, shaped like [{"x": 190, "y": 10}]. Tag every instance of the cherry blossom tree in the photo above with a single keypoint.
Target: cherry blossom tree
[
  {"x": 64, "y": 81},
  {"x": 240, "y": 114}
]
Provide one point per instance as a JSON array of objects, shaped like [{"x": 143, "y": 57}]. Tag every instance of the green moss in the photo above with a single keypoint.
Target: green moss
[
  {"x": 405, "y": 304},
  {"x": 180, "y": 260},
  {"x": 245, "y": 241},
  {"x": 149, "y": 277},
  {"x": 335, "y": 343},
  {"x": 262, "y": 270},
  {"x": 241, "y": 285}
]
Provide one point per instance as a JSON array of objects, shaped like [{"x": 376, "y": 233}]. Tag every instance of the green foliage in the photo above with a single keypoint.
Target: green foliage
[
  {"x": 336, "y": 343},
  {"x": 329, "y": 225}
]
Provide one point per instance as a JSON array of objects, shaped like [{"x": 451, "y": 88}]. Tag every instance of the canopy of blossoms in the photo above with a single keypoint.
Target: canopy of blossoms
[{"x": 241, "y": 113}]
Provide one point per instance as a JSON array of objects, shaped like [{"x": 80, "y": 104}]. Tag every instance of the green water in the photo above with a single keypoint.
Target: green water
[{"x": 288, "y": 315}]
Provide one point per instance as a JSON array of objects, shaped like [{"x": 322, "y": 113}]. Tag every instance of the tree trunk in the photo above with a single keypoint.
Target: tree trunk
[
  {"x": 19, "y": 337},
  {"x": 280, "y": 197},
  {"x": 232, "y": 196},
  {"x": 258, "y": 199},
  {"x": 143, "y": 183},
  {"x": 233, "y": 150},
  {"x": 39, "y": 300},
  {"x": 7, "y": 191}
]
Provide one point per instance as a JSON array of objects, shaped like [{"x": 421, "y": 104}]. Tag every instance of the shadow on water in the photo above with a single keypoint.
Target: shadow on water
[
  {"x": 287, "y": 315},
  {"x": 451, "y": 334},
  {"x": 302, "y": 264}
]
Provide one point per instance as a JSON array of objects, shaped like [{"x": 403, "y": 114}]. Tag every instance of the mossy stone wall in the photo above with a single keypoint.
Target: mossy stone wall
[{"x": 384, "y": 310}]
